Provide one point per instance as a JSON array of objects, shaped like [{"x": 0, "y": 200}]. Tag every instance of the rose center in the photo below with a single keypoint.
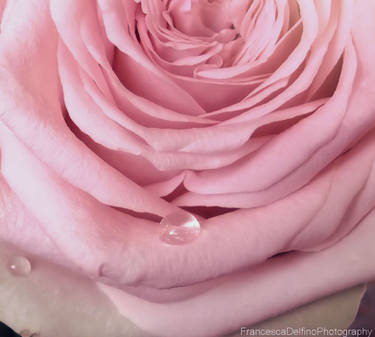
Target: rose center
[{"x": 203, "y": 18}]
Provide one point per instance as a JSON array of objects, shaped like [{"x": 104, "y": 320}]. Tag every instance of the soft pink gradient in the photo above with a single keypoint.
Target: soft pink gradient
[{"x": 258, "y": 118}]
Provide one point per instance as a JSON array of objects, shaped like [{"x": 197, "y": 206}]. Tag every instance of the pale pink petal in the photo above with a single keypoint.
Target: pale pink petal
[{"x": 278, "y": 285}]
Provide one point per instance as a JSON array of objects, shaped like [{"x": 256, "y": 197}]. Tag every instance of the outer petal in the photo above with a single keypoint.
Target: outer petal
[
  {"x": 55, "y": 302},
  {"x": 276, "y": 286}
]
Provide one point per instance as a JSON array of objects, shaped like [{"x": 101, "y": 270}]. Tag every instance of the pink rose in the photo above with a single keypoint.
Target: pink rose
[{"x": 256, "y": 117}]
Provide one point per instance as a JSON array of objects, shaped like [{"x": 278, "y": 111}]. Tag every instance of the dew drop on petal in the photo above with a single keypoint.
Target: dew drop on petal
[
  {"x": 179, "y": 228},
  {"x": 19, "y": 266}
]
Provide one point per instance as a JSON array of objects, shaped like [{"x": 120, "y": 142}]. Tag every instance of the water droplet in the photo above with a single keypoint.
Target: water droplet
[
  {"x": 179, "y": 228},
  {"x": 19, "y": 266}
]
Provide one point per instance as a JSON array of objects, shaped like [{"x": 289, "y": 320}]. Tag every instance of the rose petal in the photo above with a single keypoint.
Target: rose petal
[{"x": 280, "y": 284}]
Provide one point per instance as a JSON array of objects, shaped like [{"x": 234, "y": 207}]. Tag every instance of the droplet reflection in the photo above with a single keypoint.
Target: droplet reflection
[
  {"x": 19, "y": 266},
  {"x": 179, "y": 228}
]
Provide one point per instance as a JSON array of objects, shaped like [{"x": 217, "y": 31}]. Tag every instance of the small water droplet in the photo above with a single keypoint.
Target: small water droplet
[
  {"x": 179, "y": 228},
  {"x": 19, "y": 266}
]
